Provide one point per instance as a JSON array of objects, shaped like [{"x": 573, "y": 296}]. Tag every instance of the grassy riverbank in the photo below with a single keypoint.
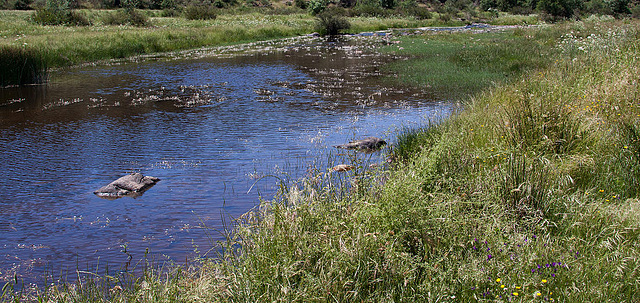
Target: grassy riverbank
[
  {"x": 60, "y": 46},
  {"x": 528, "y": 194}
]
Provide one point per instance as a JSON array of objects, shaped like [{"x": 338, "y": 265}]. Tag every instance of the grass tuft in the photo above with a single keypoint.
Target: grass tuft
[{"x": 21, "y": 65}]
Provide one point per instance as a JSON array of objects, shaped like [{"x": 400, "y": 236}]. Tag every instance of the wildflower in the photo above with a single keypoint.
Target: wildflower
[
  {"x": 515, "y": 294},
  {"x": 544, "y": 281},
  {"x": 489, "y": 257},
  {"x": 518, "y": 287},
  {"x": 498, "y": 280},
  {"x": 502, "y": 286}
]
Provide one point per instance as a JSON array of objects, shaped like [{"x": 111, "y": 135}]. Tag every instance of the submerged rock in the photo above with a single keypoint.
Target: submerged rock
[
  {"x": 369, "y": 144},
  {"x": 130, "y": 185}
]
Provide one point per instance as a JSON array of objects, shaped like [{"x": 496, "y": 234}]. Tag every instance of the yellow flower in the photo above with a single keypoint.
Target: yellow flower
[
  {"x": 498, "y": 280},
  {"x": 515, "y": 294},
  {"x": 544, "y": 281},
  {"x": 517, "y": 287},
  {"x": 502, "y": 286},
  {"x": 538, "y": 294}
]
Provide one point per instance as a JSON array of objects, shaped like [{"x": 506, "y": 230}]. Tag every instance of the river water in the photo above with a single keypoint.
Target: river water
[{"x": 208, "y": 123}]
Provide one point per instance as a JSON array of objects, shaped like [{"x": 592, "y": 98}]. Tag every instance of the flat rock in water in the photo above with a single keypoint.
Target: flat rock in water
[
  {"x": 367, "y": 144},
  {"x": 342, "y": 167},
  {"x": 130, "y": 185}
]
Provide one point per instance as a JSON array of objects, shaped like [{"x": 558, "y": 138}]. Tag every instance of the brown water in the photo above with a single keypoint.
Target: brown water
[{"x": 207, "y": 125}]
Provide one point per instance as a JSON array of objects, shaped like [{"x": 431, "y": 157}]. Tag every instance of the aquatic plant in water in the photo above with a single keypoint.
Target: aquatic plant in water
[{"x": 21, "y": 65}]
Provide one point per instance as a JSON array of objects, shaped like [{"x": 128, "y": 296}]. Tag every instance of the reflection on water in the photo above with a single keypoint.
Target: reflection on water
[{"x": 206, "y": 127}]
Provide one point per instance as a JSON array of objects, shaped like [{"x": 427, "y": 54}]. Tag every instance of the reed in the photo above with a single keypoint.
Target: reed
[{"x": 21, "y": 65}]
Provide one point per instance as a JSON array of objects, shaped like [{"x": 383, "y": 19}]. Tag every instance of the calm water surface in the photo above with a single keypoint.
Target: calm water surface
[{"x": 207, "y": 126}]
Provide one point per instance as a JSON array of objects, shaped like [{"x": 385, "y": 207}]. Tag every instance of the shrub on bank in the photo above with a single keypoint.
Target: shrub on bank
[
  {"x": 48, "y": 16},
  {"x": 199, "y": 12},
  {"x": 331, "y": 23},
  {"x": 125, "y": 17},
  {"x": 420, "y": 13}
]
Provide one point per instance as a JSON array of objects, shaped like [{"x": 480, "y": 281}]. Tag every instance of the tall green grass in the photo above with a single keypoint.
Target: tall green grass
[
  {"x": 21, "y": 65},
  {"x": 462, "y": 64}
]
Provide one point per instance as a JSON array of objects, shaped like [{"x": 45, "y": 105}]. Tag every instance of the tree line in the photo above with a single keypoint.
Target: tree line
[{"x": 551, "y": 9}]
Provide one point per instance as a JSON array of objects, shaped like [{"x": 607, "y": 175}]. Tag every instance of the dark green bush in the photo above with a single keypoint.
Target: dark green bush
[
  {"x": 598, "y": 7},
  {"x": 126, "y": 17},
  {"x": 170, "y": 12},
  {"x": 316, "y": 6},
  {"x": 388, "y": 4},
  {"x": 369, "y": 8},
  {"x": 21, "y": 66},
  {"x": 420, "y": 13},
  {"x": 458, "y": 4},
  {"x": 301, "y": 4},
  {"x": 22, "y": 5},
  {"x": 558, "y": 9},
  {"x": 635, "y": 11},
  {"x": 620, "y": 7},
  {"x": 48, "y": 16},
  {"x": 331, "y": 23},
  {"x": 199, "y": 12}
]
